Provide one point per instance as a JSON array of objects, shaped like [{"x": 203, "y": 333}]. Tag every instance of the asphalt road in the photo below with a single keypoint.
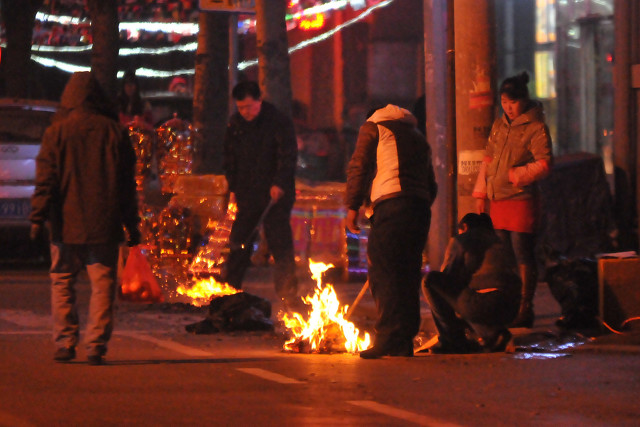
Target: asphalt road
[{"x": 157, "y": 374}]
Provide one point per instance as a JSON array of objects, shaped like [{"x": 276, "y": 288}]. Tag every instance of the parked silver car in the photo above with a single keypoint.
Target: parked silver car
[{"x": 22, "y": 124}]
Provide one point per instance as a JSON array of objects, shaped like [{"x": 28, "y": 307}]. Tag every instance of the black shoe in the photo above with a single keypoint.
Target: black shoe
[
  {"x": 403, "y": 349},
  {"x": 499, "y": 343},
  {"x": 468, "y": 347},
  {"x": 95, "y": 360},
  {"x": 64, "y": 354},
  {"x": 524, "y": 319}
]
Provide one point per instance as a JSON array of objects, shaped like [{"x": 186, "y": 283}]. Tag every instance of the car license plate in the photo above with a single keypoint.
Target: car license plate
[{"x": 15, "y": 208}]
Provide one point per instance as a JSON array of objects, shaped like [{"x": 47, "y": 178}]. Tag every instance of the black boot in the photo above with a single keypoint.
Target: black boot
[{"x": 525, "y": 316}]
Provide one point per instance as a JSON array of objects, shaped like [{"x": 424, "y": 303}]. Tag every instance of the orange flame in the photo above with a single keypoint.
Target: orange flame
[
  {"x": 326, "y": 318},
  {"x": 205, "y": 289}
]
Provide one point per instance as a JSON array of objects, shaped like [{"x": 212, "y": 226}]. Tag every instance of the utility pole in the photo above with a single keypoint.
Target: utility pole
[
  {"x": 475, "y": 94},
  {"x": 441, "y": 131}
]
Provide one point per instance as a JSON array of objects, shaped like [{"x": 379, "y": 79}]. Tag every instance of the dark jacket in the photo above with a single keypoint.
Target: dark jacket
[
  {"x": 259, "y": 154},
  {"x": 85, "y": 182},
  {"x": 391, "y": 159},
  {"x": 478, "y": 259}
]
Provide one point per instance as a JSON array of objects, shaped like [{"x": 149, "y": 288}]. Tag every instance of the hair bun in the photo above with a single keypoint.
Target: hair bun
[{"x": 523, "y": 77}]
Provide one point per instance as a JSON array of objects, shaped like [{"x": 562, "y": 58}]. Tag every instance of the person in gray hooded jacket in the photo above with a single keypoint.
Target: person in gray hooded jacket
[
  {"x": 85, "y": 190},
  {"x": 391, "y": 167}
]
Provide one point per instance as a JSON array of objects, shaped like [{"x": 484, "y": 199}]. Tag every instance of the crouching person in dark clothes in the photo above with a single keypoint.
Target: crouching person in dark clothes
[
  {"x": 260, "y": 153},
  {"x": 476, "y": 287},
  {"x": 392, "y": 160}
]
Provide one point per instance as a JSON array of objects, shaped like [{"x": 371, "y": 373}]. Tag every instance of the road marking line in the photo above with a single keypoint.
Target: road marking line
[
  {"x": 25, "y": 318},
  {"x": 25, "y": 332},
  {"x": 171, "y": 345},
  {"x": 268, "y": 375},
  {"x": 422, "y": 420}
]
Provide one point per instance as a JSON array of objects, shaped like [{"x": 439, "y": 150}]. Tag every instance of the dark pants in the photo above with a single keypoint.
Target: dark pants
[
  {"x": 522, "y": 245},
  {"x": 399, "y": 229},
  {"x": 277, "y": 231},
  {"x": 455, "y": 307}
]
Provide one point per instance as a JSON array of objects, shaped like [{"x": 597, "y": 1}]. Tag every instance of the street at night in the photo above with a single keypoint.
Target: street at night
[
  {"x": 319, "y": 213},
  {"x": 158, "y": 374}
]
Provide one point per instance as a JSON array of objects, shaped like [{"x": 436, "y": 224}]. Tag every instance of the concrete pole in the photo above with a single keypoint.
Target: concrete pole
[
  {"x": 440, "y": 105},
  {"x": 475, "y": 93}
]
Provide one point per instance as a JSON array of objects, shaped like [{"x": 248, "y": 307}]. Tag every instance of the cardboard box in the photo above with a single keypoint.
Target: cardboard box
[{"x": 618, "y": 290}]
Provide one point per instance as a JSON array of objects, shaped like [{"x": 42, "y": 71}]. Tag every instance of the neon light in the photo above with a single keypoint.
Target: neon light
[
  {"x": 64, "y": 20},
  {"x": 314, "y": 24}
]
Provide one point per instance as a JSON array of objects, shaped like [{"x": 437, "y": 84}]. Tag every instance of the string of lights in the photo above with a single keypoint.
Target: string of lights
[
  {"x": 154, "y": 73},
  {"x": 191, "y": 28}
]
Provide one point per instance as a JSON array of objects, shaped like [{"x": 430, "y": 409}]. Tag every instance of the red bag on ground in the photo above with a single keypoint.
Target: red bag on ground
[{"x": 138, "y": 282}]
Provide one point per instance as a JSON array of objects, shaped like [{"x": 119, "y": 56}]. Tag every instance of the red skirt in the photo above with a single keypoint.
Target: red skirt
[{"x": 514, "y": 215}]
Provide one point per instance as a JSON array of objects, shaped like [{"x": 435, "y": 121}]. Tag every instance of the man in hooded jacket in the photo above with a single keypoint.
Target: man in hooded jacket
[
  {"x": 85, "y": 190},
  {"x": 391, "y": 166}
]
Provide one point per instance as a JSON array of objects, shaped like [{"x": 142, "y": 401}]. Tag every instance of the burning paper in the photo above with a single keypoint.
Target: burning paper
[
  {"x": 205, "y": 289},
  {"x": 326, "y": 330}
]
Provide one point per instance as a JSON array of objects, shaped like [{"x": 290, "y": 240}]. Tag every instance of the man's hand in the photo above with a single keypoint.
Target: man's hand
[
  {"x": 480, "y": 205},
  {"x": 134, "y": 237},
  {"x": 276, "y": 192},
  {"x": 36, "y": 232},
  {"x": 352, "y": 221}
]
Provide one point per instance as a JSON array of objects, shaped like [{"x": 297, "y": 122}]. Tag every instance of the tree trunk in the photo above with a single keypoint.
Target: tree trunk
[
  {"x": 211, "y": 91},
  {"x": 273, "y": 56},
  {"x": 104, "y": 54},
  {"x": 18, "y": 17}
]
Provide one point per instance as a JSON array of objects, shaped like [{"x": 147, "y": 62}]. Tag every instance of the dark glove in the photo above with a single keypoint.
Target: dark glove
[
  {"x": 36, "y": 232},
  {"x": 134, "y": 237}
]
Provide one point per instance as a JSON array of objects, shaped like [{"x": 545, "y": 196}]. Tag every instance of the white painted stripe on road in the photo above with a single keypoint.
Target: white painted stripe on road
[
  {"x": 25, "y": 332},
  {"x": 412, "y": 417},
  {"x": 268, "y": 375},
  {"x": 8, "y": 420},
  {"x": 171, "y": 345},
  {"x": 25, "y": 318}
]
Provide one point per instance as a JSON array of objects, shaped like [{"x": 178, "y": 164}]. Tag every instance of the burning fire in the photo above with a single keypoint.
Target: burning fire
[
  {"x": 327, "y": 329},
  {"x": 208, "y": 261},
  {"x": 204, "y": 289}
]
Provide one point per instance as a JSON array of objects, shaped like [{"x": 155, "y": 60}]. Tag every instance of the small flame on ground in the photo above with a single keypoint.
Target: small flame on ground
[
  {"x": 325, "y": 321},
  {"x": 205, "y": 289}
]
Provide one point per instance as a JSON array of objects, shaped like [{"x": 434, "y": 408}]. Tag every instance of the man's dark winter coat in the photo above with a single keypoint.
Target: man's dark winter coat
[
  {"x": 85, "y": 170},
  {"x": 259, "y": 154}
]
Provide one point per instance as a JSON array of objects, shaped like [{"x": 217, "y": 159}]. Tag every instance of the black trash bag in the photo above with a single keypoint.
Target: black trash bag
[
  {"x": 574, "y": 284},
  {"x": 237, "y": 312}
]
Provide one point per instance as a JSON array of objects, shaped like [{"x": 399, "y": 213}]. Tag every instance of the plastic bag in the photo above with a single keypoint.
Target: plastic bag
[{"x": 138, "y": 282}]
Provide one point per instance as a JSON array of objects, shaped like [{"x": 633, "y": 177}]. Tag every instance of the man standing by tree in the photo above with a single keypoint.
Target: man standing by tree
[{"x": 260, "y": 153}]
